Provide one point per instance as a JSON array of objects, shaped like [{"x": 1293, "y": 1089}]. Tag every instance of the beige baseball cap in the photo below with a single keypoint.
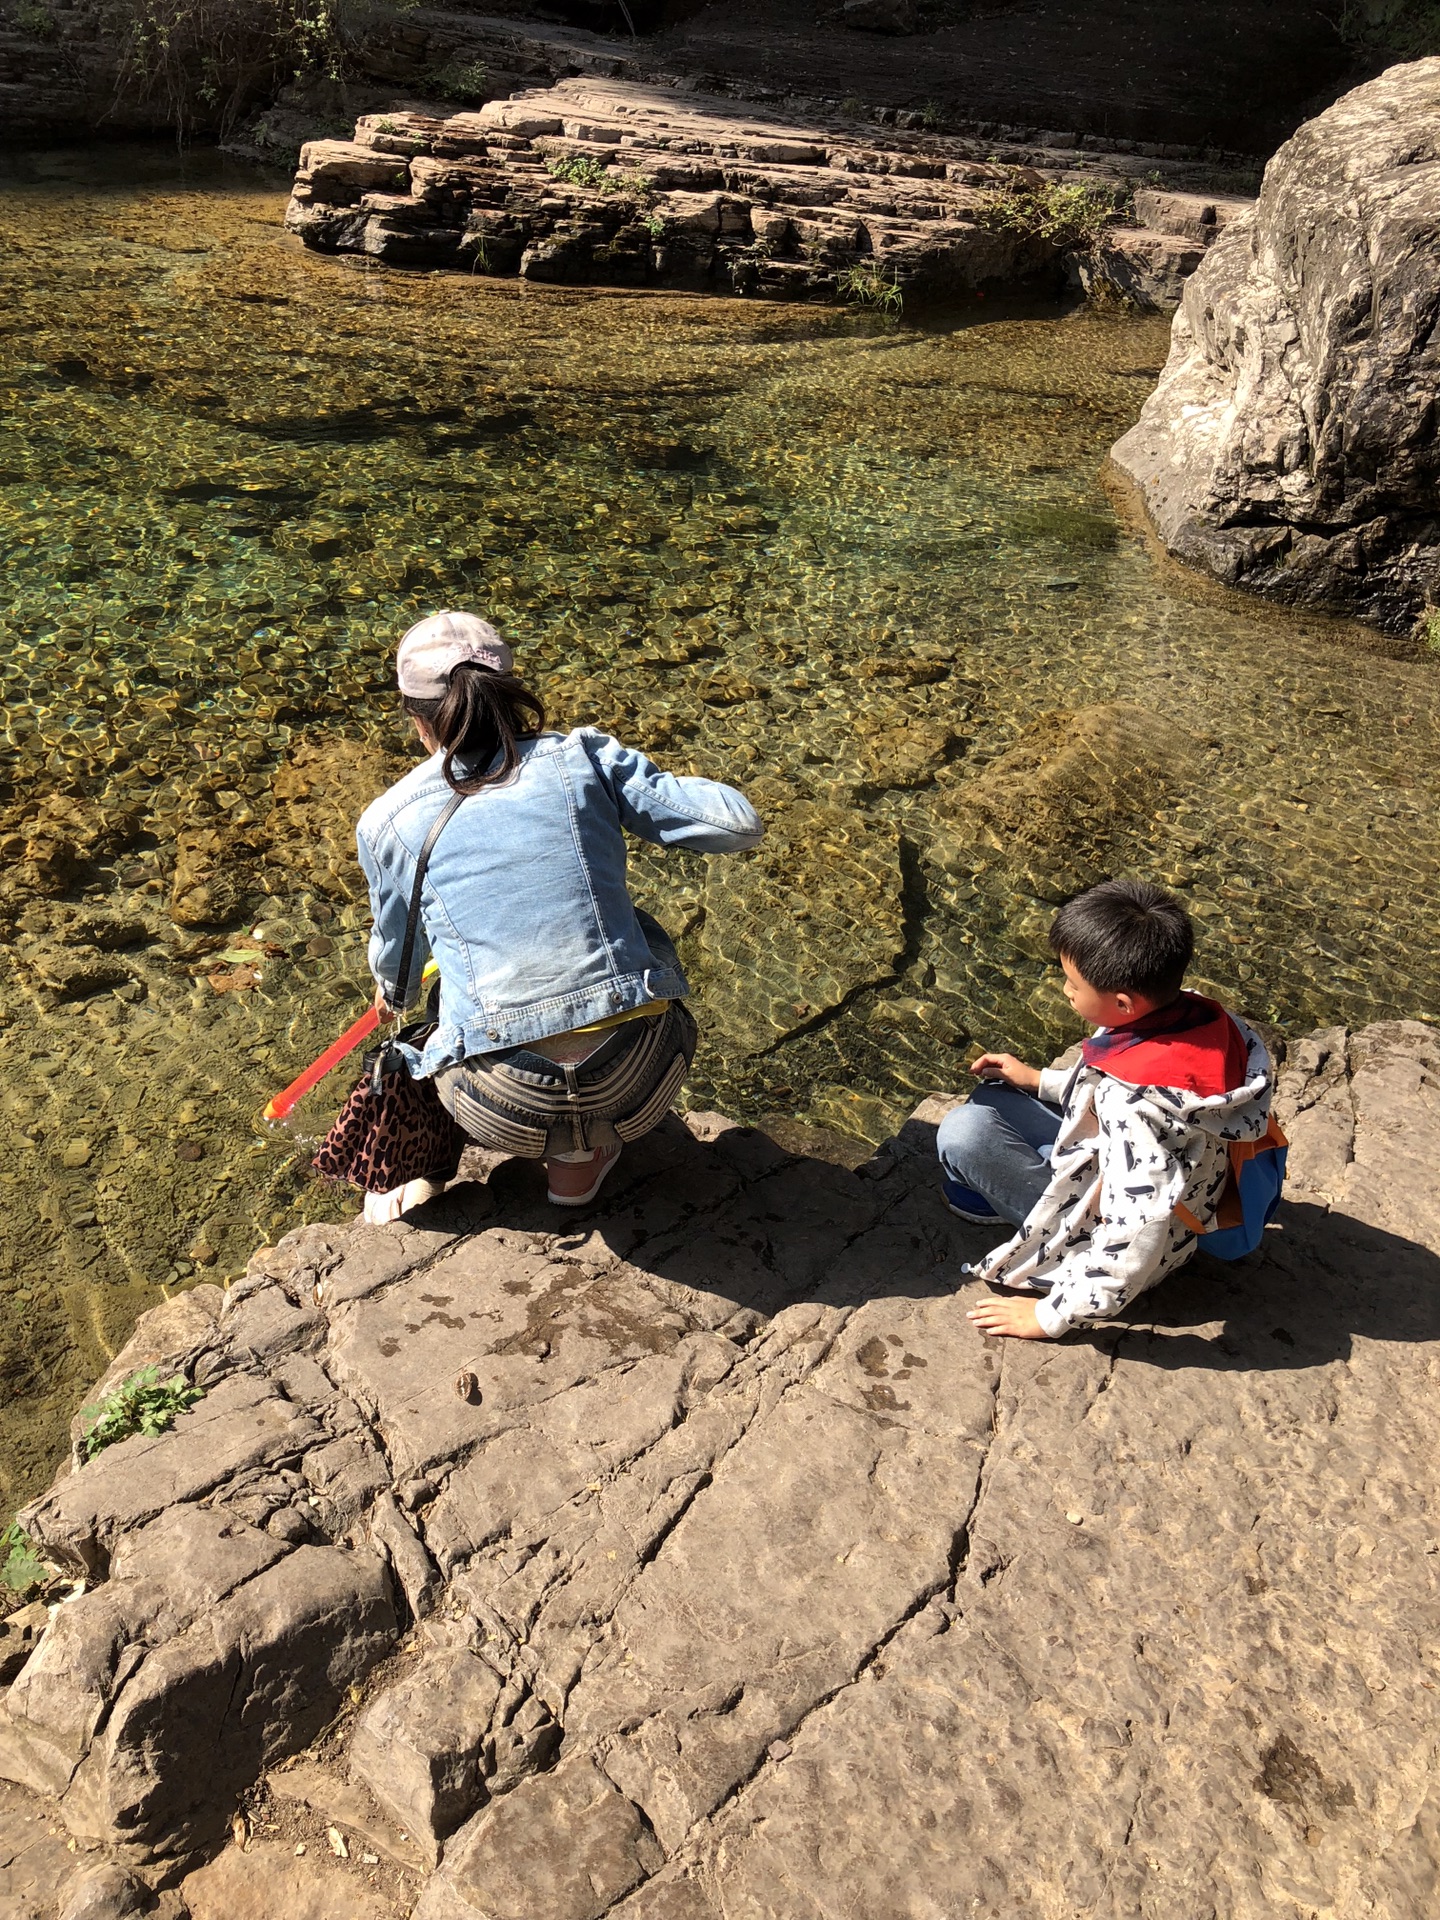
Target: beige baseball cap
[{"x": 435, "y": 646}]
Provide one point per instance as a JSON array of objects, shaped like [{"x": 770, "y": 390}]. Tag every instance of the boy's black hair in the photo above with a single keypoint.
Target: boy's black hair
[{"x": 1126, "y": 936}]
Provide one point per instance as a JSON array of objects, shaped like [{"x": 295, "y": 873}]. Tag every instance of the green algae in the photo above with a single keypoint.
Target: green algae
[{"x": 848, "y": 564}]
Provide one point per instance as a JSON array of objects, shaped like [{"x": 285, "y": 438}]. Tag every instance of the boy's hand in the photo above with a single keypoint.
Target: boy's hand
[
  {"x": 1015, "y": 1318},
  {"x": 1004, "y": 1066}
]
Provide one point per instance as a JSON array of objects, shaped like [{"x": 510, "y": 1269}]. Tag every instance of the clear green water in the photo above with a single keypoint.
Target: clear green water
[{"x": 849, "y": 566}]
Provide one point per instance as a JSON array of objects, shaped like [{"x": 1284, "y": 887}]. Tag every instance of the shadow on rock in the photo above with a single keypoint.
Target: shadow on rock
[{"x": 1321, "y": 1282}]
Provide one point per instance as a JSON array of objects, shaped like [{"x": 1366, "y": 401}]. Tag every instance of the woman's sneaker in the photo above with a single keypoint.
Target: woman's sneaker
[
  {"x": 576, "y": 1178},
  {"x": 966, "y": 1204}
]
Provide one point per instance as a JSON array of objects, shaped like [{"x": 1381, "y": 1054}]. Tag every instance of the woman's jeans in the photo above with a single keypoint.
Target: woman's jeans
[
  {"x": 518, "y": 1101},
  {"x": 998, "y": 1144}
]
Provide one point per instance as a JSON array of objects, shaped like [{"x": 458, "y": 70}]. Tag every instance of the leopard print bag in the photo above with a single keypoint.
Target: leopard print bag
[{"x": 392, "y": 1129}]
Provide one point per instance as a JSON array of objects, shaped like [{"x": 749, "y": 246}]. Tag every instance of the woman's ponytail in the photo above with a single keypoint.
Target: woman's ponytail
[{"x": 481, "y": 714}]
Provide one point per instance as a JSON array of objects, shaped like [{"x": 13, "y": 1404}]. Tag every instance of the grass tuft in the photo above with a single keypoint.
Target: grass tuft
[{"x": 867, "y": 285}]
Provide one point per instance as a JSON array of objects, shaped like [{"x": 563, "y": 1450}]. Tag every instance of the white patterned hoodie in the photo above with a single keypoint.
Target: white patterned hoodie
[{"x": 1105, "y": 1228}]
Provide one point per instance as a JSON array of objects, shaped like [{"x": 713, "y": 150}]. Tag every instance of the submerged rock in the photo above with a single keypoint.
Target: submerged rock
[
  {"x": 1290, "y": 446},
  {"x": 1067, "y": 787}
]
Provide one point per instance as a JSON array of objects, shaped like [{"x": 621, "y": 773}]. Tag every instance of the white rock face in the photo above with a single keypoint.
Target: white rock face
[{"x": 1290, "y": 446}]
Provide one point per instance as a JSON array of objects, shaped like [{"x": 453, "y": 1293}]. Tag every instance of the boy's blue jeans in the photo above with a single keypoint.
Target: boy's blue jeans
[{"x": 998, "y": 1144}]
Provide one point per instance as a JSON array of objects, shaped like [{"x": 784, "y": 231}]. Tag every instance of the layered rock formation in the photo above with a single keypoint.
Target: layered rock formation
[
  {"x": 605, "y": 181},
  {"x": 1290, "y": 446},
  {"x": 702, "y": 1560}
]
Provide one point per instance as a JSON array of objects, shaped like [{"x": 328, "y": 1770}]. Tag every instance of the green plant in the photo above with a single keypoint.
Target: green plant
[
  {"x": 654, "y": 225},
  {"x": 386, "y": 126},
  {"x": 141, "y": 1404},
  {"x": 1408, "y": 27},
  {"x": 581, "y": 171},
  {"x": 1071, "y": 213},
  {"x": 853, "y": 105},
  {"x": 636, "y": 183},
  {"x": 211, "y": 58},
  {"x": 21, "y": 1568},
  {"x": 932, "y": 116},
  {"x": 866, "y": 284},
  {"x": 1430, "y": 629}
]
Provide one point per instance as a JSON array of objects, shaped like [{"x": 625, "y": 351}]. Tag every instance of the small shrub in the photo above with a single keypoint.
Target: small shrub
[
  {"x": 581, "y": 171},
  {"x": 1430, "y": 629},
  {"x": 34, "y": 19},
  {"x": 21, "y": 1568},
  {"x": 932, "y": 116},
  {"x": 853, "y": 105},
  {"x": 654, "y": 225},
  {"x": 141, "y": 1404},
  {"x": 1070, "y": 213},
  {"x": 467, "y": 81},
  {"x": 867, "y": 286},
  {"x": 634, "y": 182}
]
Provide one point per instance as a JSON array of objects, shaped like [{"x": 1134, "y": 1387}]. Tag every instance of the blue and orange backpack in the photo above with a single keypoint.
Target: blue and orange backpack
[{"x": 1249, "y": 1200}]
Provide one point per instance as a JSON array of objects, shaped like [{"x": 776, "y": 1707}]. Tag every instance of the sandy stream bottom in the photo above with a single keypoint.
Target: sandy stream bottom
[{"x": 870, "y": 572}]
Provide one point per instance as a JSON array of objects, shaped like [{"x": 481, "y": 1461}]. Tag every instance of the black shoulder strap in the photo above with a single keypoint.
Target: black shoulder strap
[{"x": 412, "y": 923}]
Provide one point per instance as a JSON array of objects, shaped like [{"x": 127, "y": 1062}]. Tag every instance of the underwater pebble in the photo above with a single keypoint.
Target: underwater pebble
[
  {"x": 189, "y": 1150},
  {"x": 319, "y": 947},
  {"x": 76, "y": 1153}
]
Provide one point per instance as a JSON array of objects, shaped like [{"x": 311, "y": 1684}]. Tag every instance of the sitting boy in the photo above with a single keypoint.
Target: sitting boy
[{"x": 1092, "y": 1162}]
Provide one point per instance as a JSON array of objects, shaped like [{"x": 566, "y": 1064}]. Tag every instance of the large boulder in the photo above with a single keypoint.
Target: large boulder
[{"x": 1290, "y": 446}]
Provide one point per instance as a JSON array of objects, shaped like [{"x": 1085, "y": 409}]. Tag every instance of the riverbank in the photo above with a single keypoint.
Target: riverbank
[
  {"x": 647, "y": 1566},
  {"x": 1222, "y": 76}
]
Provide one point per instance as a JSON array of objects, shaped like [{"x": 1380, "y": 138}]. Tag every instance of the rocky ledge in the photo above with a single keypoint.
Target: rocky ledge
[
  {"x": 1290, "y": 446},
  {"x": 625, "y": 185},
  {"x": 702, "y": 1561}
]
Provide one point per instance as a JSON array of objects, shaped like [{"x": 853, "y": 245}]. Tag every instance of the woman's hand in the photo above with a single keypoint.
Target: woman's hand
[
  {"x": 1004, "y": 1066},
  {"x": 1015, "y": 1318},
  {"x": 382, "y": 1006}
]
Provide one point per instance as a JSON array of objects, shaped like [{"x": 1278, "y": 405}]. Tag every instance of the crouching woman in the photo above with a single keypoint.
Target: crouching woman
[{"x": 561, "y": 1030}]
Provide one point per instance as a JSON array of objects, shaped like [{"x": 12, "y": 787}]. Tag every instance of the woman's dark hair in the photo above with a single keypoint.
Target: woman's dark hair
[
  {"x": 481, "y": 714},
  {"x": 1126, "y": 936}
]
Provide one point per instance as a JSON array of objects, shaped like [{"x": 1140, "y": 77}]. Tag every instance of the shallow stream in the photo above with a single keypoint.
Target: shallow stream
[{"x": 870, "y": 572}]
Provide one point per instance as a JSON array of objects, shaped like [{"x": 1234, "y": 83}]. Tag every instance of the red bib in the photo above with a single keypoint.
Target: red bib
[{"x": 1191, "y": 1044}]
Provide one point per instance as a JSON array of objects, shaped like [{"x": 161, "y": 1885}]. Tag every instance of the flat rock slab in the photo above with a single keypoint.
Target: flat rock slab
[
  {"x": 619, "y": 184},
  {"x": 265, "y": 1882},
  {"x": 717, "y": 1569}
]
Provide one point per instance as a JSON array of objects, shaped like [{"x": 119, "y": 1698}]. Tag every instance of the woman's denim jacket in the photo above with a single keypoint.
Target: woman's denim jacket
[{"x": 525, "y": 908}]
